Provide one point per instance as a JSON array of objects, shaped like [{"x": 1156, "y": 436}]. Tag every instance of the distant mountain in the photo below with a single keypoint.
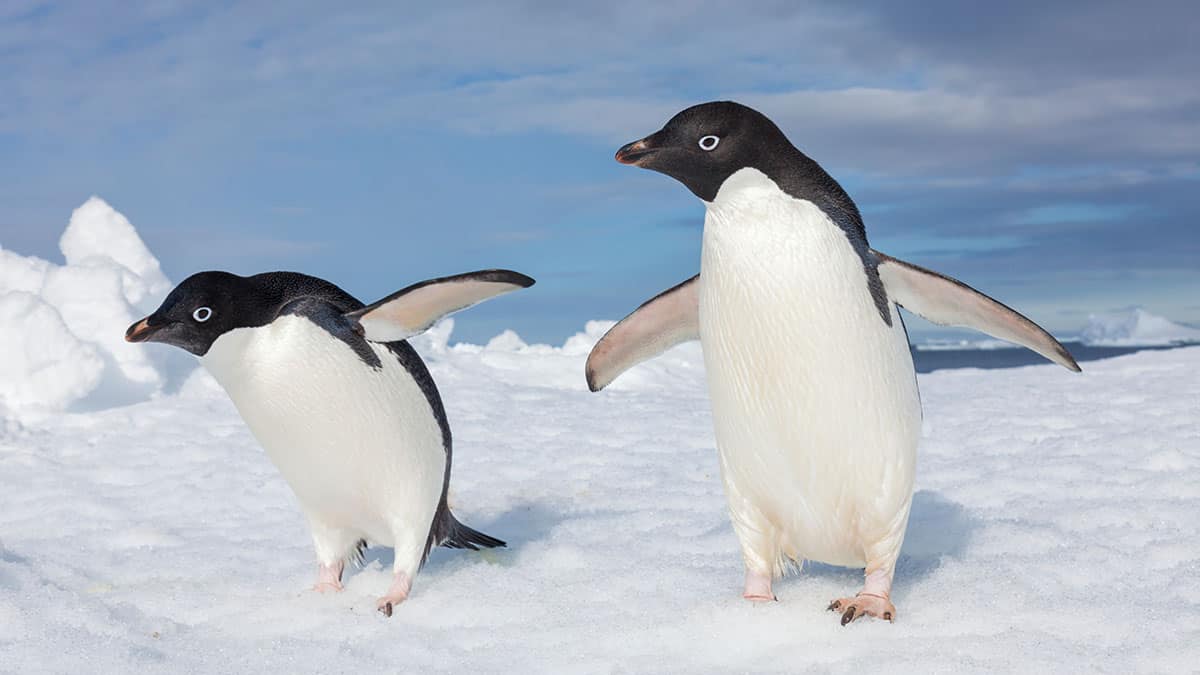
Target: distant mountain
[{"x": 1135, "y": 327}]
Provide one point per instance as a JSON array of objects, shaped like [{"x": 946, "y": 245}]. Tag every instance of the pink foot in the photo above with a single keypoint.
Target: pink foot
[
  {"x": 864, "y": 604},
  {"x": 396, "y": 593},
  {"x": 329, "y": 578},
  {"x": 873, "y": 599},
  {"x": 758, "y": 587}
]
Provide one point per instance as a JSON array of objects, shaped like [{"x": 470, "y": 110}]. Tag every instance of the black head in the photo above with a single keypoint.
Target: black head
[
  {"x": 207, "y": 305},
  {"x": 198, "y": 311},
  {"x": 707, "y": 143}
]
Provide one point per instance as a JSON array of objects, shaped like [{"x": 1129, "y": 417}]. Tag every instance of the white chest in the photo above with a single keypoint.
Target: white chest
[
  {"x": 776, "y": 271},
  {"x": 357, "y": 445},
  {"x": 814, "y": 396}
]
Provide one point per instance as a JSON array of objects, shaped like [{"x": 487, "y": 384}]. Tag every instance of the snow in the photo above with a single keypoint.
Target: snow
[
  {"x": 950, "y": 344},
  {"x": 1054, "y": 526},
  {"x": 63, "y": 346},
  {"x": 42, "y": 363},
  {"x": 1135, "y": 327}
]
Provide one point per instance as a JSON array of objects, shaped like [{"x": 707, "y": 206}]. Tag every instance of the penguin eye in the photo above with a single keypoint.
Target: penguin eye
[
  {"x": 202, "y": 314},
  {"x": 708, "y": 143}
]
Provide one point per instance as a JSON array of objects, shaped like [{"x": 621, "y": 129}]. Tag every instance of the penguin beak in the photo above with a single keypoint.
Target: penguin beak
[
  {"x": 142, "y": 331},
  {"x": 637, "y": 152}
]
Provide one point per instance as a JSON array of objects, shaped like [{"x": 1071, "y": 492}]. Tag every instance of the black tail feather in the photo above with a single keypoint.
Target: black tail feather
[
  {"x": 448, "y": 532},
  {"x": 358, "y": 553},
  {"x": 461, "y": 536}
]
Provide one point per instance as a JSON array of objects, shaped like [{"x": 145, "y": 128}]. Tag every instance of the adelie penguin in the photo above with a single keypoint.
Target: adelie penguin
[
  {"x": 344, "y": 407},
  {"x": 814, "y": 396}
]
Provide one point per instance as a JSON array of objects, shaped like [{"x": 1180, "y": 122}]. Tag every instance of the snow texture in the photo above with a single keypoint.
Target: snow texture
[
  {"x": 63, "y": 345},
  {"x": 951, "y": 344},
  {"x": 1135, "y": 327},
  {"x": 1054, "y": 528}
]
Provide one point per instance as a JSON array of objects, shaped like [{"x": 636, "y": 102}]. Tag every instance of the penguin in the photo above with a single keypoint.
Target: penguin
[
  {"x": 814, "y": 396},
  {"x": 342, "y": 404}
]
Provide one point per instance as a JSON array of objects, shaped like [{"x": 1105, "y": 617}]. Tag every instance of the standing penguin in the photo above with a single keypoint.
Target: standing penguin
[
  {"x": 343, "y": 405},
  {"x": 814, "y": 396}
]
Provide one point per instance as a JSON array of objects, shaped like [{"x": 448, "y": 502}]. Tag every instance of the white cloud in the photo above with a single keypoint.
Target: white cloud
[{"x": 828, "y": 74}]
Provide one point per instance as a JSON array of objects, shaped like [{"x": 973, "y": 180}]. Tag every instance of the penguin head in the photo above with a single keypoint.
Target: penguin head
[
  {"x": 707, "y": 143},
  {"x": 197, "y": 312}
]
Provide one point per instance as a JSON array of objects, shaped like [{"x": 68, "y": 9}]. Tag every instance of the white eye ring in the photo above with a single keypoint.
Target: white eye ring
[
  {"x": 708, "y": 143},
  {"x": 202, "y": 314}
]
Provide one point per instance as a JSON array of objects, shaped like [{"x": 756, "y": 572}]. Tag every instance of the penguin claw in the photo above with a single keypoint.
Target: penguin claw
[
  {"x": 397, "y": 593},
  {"x": 385, "y": 605},
  {"x": 863, "y": 604}
]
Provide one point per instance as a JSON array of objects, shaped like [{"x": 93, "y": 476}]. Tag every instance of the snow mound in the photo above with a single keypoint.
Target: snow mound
[
  {"x": 63, "y": 346},
  {"x": 1135, "y": 327},
  {"x": 42, "y": 363},
  {"x": 509, "y": 359}
]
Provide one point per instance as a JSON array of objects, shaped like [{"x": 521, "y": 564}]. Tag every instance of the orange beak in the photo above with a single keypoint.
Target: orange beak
[{"x": 140, "y": 331}]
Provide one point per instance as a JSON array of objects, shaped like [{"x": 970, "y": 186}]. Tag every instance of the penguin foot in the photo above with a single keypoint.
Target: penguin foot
[
  {"x": 758, "y": 588},
  {"x": 396, "y": 594},
  {"x": 864, "y": 604},
  {"x": 329, "y": 578}
]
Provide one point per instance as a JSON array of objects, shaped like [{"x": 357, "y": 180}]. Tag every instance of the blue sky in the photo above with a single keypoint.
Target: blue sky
[{"x": 1047, "y": 153}]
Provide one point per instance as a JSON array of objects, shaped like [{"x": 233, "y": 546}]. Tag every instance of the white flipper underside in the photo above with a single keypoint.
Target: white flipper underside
[
  {"x": 413, "y": 310},
  {"x": 671, "y": 318},
  {"x": 662, "y": 322},
  {"x": 950, "y": 302}
]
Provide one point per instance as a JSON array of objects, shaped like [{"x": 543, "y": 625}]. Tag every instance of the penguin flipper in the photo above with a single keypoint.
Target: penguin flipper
[
  {"x": 412, "y": 310},
  {"x": 949, "y": 302},
  {"x": 667, "y": 319}
]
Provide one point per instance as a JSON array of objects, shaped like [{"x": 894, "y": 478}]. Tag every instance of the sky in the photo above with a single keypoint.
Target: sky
[{"x": 1046, "y": 153}]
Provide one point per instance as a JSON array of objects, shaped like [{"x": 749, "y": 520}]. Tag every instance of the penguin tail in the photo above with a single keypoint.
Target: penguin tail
[
  {"x": 450, "y": 533},
  {"x": 357, "y": 555},
  {"x": 461, "y": 536}
]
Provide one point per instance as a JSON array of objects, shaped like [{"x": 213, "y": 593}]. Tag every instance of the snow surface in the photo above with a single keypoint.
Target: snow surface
[
  {"x": 1054, "y": 527},
  {"x": 1135, "y": 327}
]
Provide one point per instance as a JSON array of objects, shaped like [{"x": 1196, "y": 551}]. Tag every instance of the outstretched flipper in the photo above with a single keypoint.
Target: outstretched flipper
[
  {"x": 949, "y": 302},
  {"x": 413, "y": 310},
  {"x": 667, "y": 319}
]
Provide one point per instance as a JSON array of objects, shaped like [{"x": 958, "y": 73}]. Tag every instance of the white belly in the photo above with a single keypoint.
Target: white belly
[
  {"x": 814, "y": 397},
  {"x": 360, "y": 447}
]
